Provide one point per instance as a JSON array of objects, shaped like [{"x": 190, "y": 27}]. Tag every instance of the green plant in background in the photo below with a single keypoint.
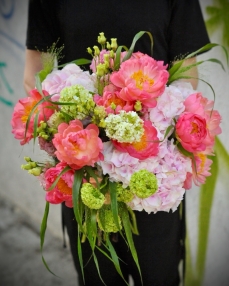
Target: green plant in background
[{"x": 219, "y": 19}]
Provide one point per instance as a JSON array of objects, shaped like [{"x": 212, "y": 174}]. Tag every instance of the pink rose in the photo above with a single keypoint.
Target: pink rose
[
  {"x": 62, "y": 192},
  {"x": 76, "y": 146},
  {"x": 191, "y": 131},
  {"x": 22, "y": 112},
  {"x": 141, "y": 78}
]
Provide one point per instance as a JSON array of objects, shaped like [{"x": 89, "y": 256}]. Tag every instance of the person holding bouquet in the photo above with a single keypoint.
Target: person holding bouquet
[{"x": 178, "y": 29}]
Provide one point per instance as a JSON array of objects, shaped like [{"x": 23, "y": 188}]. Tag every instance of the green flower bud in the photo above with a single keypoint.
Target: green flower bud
[
  {"x": 108, "y": 46},
  {"x": 26, "y": 167},
  {"x": 33, "y": 164},
  {"x": 112, "y": 54},
  {"x": 27, "y": 159},
  {"x": 114, "y": 44},
  {"x": 138, "y": 105},
  {"x": 101, "y": 39},
  {"x": 35, "y": 171},
  {"x": 143, "y": 184},
  {"x": 89, "y": 50},
  {"x": 91, "y": 196},
  {"x": 100, "y": 70},
  {"x": 96, "y": 51}
]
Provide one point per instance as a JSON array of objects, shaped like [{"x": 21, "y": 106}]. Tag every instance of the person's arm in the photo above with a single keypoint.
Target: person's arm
[{"x": 33, "y": 64}]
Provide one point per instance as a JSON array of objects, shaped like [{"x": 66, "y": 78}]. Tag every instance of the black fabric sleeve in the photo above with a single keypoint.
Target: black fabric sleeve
[
  {"x": 42, "y": 27},
  {"x": 187, "y": 32}
]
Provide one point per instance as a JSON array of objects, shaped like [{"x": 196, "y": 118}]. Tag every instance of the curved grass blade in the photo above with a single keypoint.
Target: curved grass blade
[
  {"x": 126, "y": 225},
  {"x": 133, "y": 225},
  {"x": 35, "y": 125},
  {"x": 78, "y": 177},
  {"x": 78, "y": 62},
  {"x": 206, "y": 200},
  {"x": 115, "y": 259},
  {"x": 38, "y": 84},
  {"x": 42, "y": 235},
  {"x": 136, "y": 38},
  {"x": 114, "y": 204},
  {"x": 80, "y": 255}
]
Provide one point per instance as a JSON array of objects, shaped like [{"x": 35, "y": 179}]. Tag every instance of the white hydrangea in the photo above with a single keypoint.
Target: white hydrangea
[{"x": 125, "y": 127}]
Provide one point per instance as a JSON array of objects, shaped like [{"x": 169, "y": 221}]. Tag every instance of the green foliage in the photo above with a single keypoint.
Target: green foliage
[{"x": 219, "y": 19}]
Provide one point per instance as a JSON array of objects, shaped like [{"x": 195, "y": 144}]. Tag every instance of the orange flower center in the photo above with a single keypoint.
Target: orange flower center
[
  {"x": 117, "y": 101},
  {"x": 195, "y": 128},
  {"x": 63, "y": 187},
  {"x": 27, "y": 111},
  {"x": 141, "y": 145},
  {"x": 141, "y": 78}
]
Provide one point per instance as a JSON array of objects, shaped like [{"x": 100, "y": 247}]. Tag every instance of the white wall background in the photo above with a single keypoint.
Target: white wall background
[{"x": 24, "y": 190}]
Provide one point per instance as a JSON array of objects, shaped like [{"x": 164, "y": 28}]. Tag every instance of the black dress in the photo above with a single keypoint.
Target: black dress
[{"x": 178, "y": 28}]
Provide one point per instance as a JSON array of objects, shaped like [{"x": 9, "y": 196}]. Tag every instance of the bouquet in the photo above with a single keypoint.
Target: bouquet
[{"x": 124, "y": 136}]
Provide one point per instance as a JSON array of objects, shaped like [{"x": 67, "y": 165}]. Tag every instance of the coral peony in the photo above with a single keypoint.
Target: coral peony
[
  {"x": 62, "y": 192},
  {"x": 147, "y": 147},
  {"x": 142, "y": 79},
  {"x": 22, "y": 112},
  {"x": 76, "y": 146},
  {"x": 191, "y": 130}
]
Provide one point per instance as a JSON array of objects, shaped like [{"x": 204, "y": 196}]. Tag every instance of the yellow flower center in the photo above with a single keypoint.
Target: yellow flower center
[
  {"x": 27, "y": 111},
  {"x": 141, "y": 78},
  {"x": 63, "y": 187},
  {"x": 141, "y": 145},
  {"x": 202, "y": 164}
]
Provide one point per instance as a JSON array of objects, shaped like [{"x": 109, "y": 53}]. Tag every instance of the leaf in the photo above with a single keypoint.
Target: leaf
[
  {"x": 78, "y": 177},
  {"x": 114, "y": 204},
  {"x": 206, "y": 200},
  {"x": 38, "y": 84},
  {"x": 78, "y": 62},
  {"x": 136, "y": 38},
  {"x": 126, "y": 224},
  {"x": 42, "y": 235},
  {"x": 80, "y": 256},
  {"x": 115, "y": 259}
]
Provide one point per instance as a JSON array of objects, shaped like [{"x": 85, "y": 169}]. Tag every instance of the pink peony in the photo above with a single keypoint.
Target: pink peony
[
  {"x": 142, "y": 79},
  {"x": 111, "y": 96},
  {"x": 191, "y": 132},
  {"x": 22, "y": 112},
  {"x": 70, "y": 75},
  {"x": 147, "y": 147},
  {"x": 201, "y": 168},
  {"x": 196, "y": 103},
  {"x": 76, "y": 146},
  {"x": 62, "y": 192}
]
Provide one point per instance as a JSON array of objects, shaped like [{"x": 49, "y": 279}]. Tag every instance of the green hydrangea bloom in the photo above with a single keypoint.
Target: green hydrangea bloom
[
  {"x": 55, "y": 120},
  {"x": 106, "y": 221},
  {"x": 91, "y": 196},
  {"x": 143, "y": 184},
  {"x": 124, "y": 194},
  {"x": 82, "y": 98},
  {"x": 125, "y": 127}
]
